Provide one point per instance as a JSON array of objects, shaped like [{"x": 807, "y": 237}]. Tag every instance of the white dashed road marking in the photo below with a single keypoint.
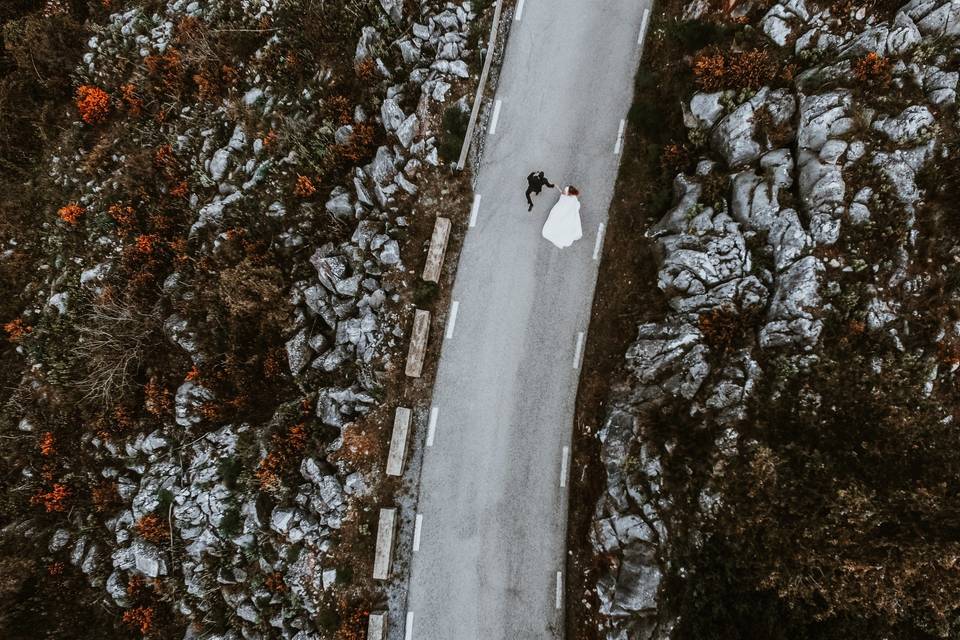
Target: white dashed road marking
[
  {"x": 563, "y": 467},
  {"x": 452, "y": 322},
  {"x": 599, "y": 243},
  {"x": 643, "y": 26},
  {"x": 475, "y": 210},
  {"x": 578, "y": 350},
  {"x": 519, "y": 12},
  {"x": 496, "y": 116},
  {"x": 617, "y": 147},
  {"x": 416, "y": 532},
  {"x": 432, "y": 427},
  {"x": 559, "y": 589},
  {"x": 408, "y": 634}
]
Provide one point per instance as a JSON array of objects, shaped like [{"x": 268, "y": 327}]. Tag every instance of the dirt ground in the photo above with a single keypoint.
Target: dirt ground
[
  {"x": 626, "y": 295},
  {"x": 626, "y": 291}
]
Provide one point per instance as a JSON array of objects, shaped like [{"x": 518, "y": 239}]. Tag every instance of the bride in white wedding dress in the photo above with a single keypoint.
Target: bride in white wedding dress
[{"x": 562, "y": 227}]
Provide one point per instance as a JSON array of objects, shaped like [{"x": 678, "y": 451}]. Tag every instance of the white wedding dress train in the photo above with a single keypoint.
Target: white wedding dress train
[{"x": 562, "y": 227}]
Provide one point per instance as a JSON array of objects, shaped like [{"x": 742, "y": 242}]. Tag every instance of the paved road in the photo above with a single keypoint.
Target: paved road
[{"x": 493, "y": 511}]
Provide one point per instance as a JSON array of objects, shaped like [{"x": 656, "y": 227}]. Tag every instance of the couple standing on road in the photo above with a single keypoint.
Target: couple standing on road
[{"x": 562, "y": 227}]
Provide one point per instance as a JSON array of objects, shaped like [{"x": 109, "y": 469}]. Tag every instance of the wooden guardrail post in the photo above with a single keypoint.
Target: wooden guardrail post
[
  {"x": 438, "y": 249},
  {"x": 418, "y": 343},
  {"x": 398, "y": 442},
  {"x": 480, "y": 88},
  {"x": 377, "y": 626},
  {"x": 383, "y": 555}
]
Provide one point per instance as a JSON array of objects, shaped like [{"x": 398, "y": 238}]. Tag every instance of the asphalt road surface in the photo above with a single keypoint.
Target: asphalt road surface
[{"x": 491, "y": 540}]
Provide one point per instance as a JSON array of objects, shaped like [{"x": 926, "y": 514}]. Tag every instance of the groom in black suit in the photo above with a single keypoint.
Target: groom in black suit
[{"x": 535, "y": 182}]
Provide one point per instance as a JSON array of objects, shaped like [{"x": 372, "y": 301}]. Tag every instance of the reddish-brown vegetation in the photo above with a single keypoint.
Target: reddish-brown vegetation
[
  {"x": 47, "y": 444},
  {"x": 93, "y": 103},
  {"x": 153, "y": 528},
  {"x": 873, "y": 69},
  {"x": 71, "y": 213},
  {"x": 284, "y": 449},
  {"x": 16, "y": 330},
  {"x": 53, "y": 500},
  {"x": 304, "y": 187},
  {"x": 140, "y": 618},
  {"x": 715, "y": 70}
]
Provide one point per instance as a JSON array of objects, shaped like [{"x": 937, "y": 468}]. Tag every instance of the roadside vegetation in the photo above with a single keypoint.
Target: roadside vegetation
[
  {"x": 838, "y": 507},
  {"x": 201, "y": 329}
]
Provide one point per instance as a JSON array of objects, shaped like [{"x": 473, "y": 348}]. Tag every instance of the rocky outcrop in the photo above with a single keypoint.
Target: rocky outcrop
[
  {"x": 197, "y": 507},
  {"x": 752, "y": 251}
]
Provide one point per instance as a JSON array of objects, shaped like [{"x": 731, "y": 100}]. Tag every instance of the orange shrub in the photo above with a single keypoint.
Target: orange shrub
[
  {"x": 93, "y": 103},
  {"x": 674, "y": 157},
  {"x": 719, "y": 327},
  {"x": 752, "y": 69},
  {"x": 710, "y": 70},
  {"x": 123, "y": 420},
  {"x": 353, "y": 625},
  {"x": 180, "y": 190},
  {"x": 716, "y": 70},
  {"x": 274, "y": 582},
  {"x": 273, "y": 365},
  {"x": 153, "y": 528},
  {"x": 105, "y": 496},
  {"x": 53, "y": 500},
  {"x": 134, "y": 104},
  {"x": 360, "y": 145},
  {"x": 284, "y": 449},
  {"x": 55, "y": 568},
  {"x": 873, "y": 68},
  {"x": 366, "y": 69},
  {"x": 71, "y": 213},
  {"x": 304, "y": 187},
  {"x": 124, "y": 215},
  {"x": 229, "y": 74},
  {"x": 16, "y": 330},
  {"x": 266, "y": 474},
  {"x": 146, "y": 244},
  {"x": 339, "y": 108},
  {"x": 46, "y": 444},
  {"x": 169, "y": 67},
  {"x": 136, "y": 585},
  {"x": 156, "y": 399},
  {"x": 140, "y": 618}
]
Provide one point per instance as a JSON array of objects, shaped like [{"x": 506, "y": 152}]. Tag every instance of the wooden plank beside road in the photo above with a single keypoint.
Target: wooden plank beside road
[
  {"x": 383, "y": 555},
  {"x": 418, "y": 343},
  {"x": 398, "y": 442},
  {"x": 377, "y": 626},
  {"x": 438, "y": 249}
]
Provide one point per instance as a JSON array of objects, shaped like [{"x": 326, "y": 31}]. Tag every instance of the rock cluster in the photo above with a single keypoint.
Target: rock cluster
[
  {"x": 343, "y": 316},
  {"x": 755, "y": 250}
]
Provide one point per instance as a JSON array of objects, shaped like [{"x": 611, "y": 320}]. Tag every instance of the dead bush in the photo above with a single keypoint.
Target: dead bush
[
  {"x": 113, "y": 338},
  {"x": 249, "y": 290},
  {"x": 717, "y": 70}
]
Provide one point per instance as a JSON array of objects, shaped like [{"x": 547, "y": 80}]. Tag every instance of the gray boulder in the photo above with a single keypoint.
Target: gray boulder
[
  {"x": 735, "y": 136},
  {"x": 706, "y": 108},
  {"x": 298, "y": 352},
  {"x": 188, "y": 401},
  {"x": 391, "y": 114},
  {"x": 796, "y": 300},
  {"x": 148, "y": 559},
  {"x": 394, "y": 9},
  {"x": 369, "y": 37},
  {"x": 330, "y": 269},
  {"x": 903, "y": 36},
  {"x": 914, "y": 124}
]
